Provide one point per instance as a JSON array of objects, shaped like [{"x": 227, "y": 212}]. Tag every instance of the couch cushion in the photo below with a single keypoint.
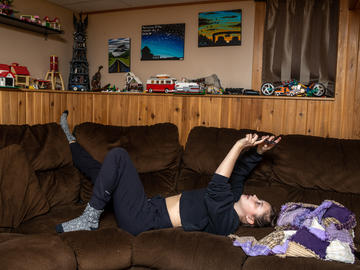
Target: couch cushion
[
  {"x": 47, "y": 223},
  {"x": 61, "y": 186},
  {"x": 20, "y": 195},
  {"x": 315, "y": 162},
  {"x": 39, "y": 251},
  {"x": 47, "y": 150},
  {"x": 44, "y": 145},
  {"x": 155, "y": 151},
  {"x": 176, "y": 249},
  {"x": 101, "y": 249},
  {"x": 205, "y": 148}
]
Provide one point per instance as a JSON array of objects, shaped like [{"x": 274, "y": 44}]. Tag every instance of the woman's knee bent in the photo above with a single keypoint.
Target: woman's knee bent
[{"x": 118, "y": 152}]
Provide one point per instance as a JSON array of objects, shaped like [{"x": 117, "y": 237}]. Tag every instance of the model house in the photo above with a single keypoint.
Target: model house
[
  {"x": 22, "y": 75},
  {"x": 283, "y": 68}
]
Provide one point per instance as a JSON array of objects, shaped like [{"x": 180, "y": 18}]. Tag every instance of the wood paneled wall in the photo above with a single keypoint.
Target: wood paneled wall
[
  {"x": 277, "y": 115},
  {"x": 338, "y": 117}
]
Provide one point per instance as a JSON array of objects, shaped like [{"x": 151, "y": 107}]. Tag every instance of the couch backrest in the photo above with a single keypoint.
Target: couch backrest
[
  {"x": 318, "y": 163},
  {"x": 205, "y": 148},
  {"x": 155, "y": 151},
  {"x": 49, "y": 154}
]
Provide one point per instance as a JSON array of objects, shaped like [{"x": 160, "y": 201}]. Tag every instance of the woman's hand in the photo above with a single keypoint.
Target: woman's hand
[
  {"x": 269, "y": 143},
  {"x": 251, "y": 140}
]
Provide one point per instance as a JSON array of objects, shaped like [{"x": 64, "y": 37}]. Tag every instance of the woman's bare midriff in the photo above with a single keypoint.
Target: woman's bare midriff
[{"x": 173, "y": 207}]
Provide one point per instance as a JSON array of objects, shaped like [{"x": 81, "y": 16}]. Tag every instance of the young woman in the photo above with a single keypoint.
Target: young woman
[{"x": 220, "y": 208}]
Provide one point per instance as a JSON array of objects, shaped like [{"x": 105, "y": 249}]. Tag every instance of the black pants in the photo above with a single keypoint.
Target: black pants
[{"x": 118, "y": 179}]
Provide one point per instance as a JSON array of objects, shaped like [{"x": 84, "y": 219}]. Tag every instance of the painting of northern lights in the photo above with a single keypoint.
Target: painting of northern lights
[
  {"x": 220, "y": 28},
  {"x": 162, "y": 42}
]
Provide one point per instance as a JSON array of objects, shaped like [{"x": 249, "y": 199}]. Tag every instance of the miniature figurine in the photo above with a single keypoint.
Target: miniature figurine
[
  {"x": 96, "y": 80},
  {"x": 161, "y": 83}
]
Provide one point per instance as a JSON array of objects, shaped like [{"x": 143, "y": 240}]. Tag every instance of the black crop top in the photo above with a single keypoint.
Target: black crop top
[{"x": 211, "y": 209}]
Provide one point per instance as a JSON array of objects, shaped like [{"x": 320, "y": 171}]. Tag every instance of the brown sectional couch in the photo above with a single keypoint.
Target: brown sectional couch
[{"x": 40, "y": 187}]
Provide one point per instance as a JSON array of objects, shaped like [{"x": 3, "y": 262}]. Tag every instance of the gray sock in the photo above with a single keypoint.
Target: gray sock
[
  {"x": 88, "y": 221},
  {"x": 64, "y": 125}
]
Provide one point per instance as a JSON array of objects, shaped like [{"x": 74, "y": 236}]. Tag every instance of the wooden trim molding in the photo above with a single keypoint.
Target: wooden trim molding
[{"x": 260, "y": 13}]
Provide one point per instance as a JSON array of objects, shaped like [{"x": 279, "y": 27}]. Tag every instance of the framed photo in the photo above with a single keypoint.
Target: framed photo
[
  {"x": 119, "y": 55},
  {"x": 162, "y": 42},
  {"x": 220, "y": 28}
]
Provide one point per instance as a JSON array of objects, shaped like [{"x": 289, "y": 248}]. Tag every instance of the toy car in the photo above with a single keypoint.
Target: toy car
[
  {"x": 78, "y": 87},
  {"x": 293, "y": 88},
  {"x": 188, "y": 87},
  {"x": 161, "y": 83},
  {"x": 233, "y": 91}
]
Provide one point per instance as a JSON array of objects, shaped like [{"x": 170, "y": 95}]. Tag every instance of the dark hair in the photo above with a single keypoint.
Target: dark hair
[{"x": 267, "y": 219}]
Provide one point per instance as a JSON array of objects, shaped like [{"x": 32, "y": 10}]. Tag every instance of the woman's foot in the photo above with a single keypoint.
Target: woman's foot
[
  {"x": 64, "y": 125},
  {"x": 88, "y": 221}
]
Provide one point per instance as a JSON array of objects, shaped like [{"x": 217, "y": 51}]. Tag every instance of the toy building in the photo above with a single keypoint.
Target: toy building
[
  {"x": 79, "y": 67},
  {"x": 22, "y": 75},
  {"x": 7, "y": 78}
]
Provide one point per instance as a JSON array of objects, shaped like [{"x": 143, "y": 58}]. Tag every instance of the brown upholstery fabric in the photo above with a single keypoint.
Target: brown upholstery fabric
[
  {"x": 20, "y": 195},
  {"x": 46, "y": 223},
  {"x": 38, "y": 251},
  {"x": 205, "y": 149},
  {"x": 61, "y": 186},
  {"x": 314, "y": 162},
  {"x": 176, "y": 249},
  {"x": 276, "y": 263},
  {"x": 155, "y": 151},
  {"x": 48, "y": 151},
  {"x": 44, "y": 145},
  {"x": 101, "y": 249}
]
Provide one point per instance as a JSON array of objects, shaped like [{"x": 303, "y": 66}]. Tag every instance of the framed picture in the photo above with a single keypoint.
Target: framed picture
[
  {"x": 162, "y": 42},
  {"x": 119, "y": 55},
  {"x": 220, "y": 28}
]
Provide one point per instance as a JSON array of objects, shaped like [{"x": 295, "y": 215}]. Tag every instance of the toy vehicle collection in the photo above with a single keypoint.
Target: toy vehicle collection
[{"x": 293, "y": 88}]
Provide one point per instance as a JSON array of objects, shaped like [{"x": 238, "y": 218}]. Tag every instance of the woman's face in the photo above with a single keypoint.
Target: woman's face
[{"x": 251, "y": 206}]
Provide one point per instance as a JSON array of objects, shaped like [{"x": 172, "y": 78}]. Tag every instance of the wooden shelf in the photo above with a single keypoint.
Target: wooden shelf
[
  {"x": 168, "y": 95},
  {"x": 33, "y": 27}
]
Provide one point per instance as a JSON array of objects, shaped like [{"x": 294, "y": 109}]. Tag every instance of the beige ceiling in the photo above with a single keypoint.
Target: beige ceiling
[{"x": 102, "y": 5}]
